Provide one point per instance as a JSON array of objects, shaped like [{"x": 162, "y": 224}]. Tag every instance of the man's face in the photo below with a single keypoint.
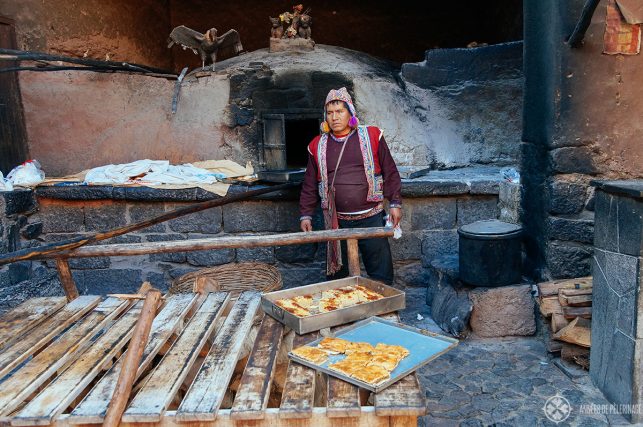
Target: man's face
[{"x": 338, "y": 116}]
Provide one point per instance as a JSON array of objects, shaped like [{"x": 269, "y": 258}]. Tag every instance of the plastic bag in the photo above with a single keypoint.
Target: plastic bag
[
  {"x": 5, "y": 184},
  {"x": 511, "y": 175},
  {"x": 397, "y": 231},
  {"x": 27, "y": 174}
]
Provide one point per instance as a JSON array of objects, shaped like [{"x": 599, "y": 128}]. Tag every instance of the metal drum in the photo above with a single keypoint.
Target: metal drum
[{"x": 490, "y": 253}]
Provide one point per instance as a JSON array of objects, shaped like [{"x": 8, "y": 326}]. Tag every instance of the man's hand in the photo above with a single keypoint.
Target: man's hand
[
  {"x": 395, "y": 215},
  {"x": 306, "y": 225}
]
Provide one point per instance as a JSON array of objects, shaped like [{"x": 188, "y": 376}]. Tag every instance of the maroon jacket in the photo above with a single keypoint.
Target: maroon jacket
[{"x": 351, "y": 187}]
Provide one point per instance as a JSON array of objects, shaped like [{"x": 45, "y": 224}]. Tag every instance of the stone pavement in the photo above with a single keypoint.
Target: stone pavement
[{"x": 498, "y": 381}]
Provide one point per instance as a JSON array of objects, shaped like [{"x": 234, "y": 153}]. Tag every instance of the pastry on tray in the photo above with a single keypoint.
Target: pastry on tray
[
  {"x": 372, "y": 374},
  {"x": 312, "y": 354},
  {"x": 363, "y": 361},
  {"x": 345, "y": 367},
  {"x": 329, "y": 300},
  {"x": 292, "y": 307},
  {"x": 334, "y": 344},
  {"x": 358, "y": 346}
]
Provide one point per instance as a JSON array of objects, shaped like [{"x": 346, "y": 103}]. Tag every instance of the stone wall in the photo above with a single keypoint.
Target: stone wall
[
  {"x": 117, "y": 118},
  {"x": 434, "y": 208},
  {"x": 577, "y": 125},
  {"x": 617, "y": 311}
]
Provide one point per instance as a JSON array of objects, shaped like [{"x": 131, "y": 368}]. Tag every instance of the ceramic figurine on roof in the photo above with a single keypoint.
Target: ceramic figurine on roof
[
  {"x": 205, "y": 45},
  {"x": 277, "y": 30}
]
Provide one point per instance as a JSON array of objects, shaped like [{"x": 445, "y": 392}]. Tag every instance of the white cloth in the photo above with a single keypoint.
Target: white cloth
[
  {"x": 151, "y": 172},
  {"x": 5, "y": 184}
]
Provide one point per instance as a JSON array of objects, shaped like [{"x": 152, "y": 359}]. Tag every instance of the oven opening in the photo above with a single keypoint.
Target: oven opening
[{"x": 299, "y": 132}]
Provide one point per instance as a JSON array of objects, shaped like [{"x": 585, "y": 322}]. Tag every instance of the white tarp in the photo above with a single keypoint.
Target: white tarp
[{"x": 151, "y": 172}]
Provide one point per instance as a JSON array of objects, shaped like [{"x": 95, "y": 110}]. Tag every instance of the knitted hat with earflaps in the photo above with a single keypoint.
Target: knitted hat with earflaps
[{"x": 340, "y": 94}]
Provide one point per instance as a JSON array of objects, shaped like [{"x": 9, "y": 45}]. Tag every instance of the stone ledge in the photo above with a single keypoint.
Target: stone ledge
[
  {"x": 631, "y": 187},
  {"x": 482, "y": 180}
]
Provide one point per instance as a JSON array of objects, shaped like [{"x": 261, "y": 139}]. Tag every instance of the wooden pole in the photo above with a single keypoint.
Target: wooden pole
[
  {"x": 133, "y": 356},
  {"x": 129, "y": 249},
  {"x": 353, "y": 257},
  {"x": 66, "y": 279},
  {"x": 66, "y": 245}
]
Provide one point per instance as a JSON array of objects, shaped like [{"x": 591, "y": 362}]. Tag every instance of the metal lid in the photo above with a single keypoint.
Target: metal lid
[{"x": 490, "y": 228}]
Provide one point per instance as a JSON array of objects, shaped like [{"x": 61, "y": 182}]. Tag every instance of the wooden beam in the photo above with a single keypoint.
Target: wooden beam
[
  {"x": 132, "y": 360},
  {"x": 353, "y": 257},
  {"x": 66, "y": 279},
  {"x": 125, "y": 249}
]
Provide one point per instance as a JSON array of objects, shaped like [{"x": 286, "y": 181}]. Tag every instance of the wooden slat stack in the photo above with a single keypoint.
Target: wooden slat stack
[{"x": 567, "y": 304}]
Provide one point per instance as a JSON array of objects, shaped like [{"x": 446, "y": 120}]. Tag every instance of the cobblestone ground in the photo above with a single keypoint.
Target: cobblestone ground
[{"x": 498, "y": 382}]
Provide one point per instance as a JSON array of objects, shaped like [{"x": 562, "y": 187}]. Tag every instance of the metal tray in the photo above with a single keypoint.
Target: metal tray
[
  {"x": 393, "y": 300},
  {"x": 282, "y": 175},
  {"x": 423, "y": 346}
]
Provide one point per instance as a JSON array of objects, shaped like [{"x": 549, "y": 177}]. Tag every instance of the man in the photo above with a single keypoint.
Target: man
[{"x": 351, "y": 171}]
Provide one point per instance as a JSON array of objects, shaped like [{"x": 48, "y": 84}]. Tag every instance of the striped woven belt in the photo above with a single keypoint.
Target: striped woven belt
[{"x": 347, "y": 217}]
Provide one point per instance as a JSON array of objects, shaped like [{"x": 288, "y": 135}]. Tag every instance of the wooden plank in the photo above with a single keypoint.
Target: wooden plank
[
  {"x": 575, "y": 334},
  {"x": 19, "y": 351},
  {"x": 575, "y": 300},
  {"x": 404, "y": 421},
  {"x": 342, "y": 398},
  {"x": 575, "y": 292},
  {"x": 251, "y": 400},
  {"x": 298, "y": 397},
  {"x": 404, "y": 398},
  {"x": 573, "y": 312},
  {"x": 66, "y": 279},
  {"x": 62, "y": 391},
  {"x": 122, "y": 249},
  {"x": 558, "y": 322},
  {"x": 550, "y": 305},
  {"x": 367, "y": 418},
  {"x": 94, "y": 406},
  {"x": 132, "y": 359},
  {"x": 25, "y": 316},
  {"x": 151, "y": 401},
  {"x": 575, "y": 354},
  {"x": 67, "y": 347},
  {"x": 547, "y": 289},
  {"x": 206, "y": 392},
  {"x": 353, "y": 257}
]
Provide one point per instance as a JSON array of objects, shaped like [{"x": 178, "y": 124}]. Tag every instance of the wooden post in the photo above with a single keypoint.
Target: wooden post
[
  {"x": 133, "y": 356},
  {"x": 353, "y": 257},
  {"x": 66, "y": 279}
]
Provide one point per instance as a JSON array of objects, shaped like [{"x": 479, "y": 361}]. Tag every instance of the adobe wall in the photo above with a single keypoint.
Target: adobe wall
[{"x": 580, "y": 123}]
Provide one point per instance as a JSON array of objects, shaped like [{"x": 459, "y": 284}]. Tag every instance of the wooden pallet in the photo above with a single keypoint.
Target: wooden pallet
[{"x": 208, "y": 361}]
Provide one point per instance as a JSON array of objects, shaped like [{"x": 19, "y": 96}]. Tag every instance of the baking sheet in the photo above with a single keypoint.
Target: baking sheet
[
  {"x": 393, "y": 300},
  {"x": 423, "y": 346}
]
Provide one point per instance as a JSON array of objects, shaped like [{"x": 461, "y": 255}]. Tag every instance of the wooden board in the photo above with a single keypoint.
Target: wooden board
[
  {"x": 573, "y": 312},
  {"x": 251, "y": 400},
  {"x": 206, "y": 392},
  {"x": 366, "y": 418},
  {"x": 24, "y": 347},
  {"x": 153, "y": 398},
  {"x": 62, "y": 391},
  {"x": 558, "y": 322},
  {"x": 550, "y": 305},
  {"x": 547, "y": 289},
  {"x": 28, "y": 378},
  {"x": 405, "y": 397},
  {"x": 298, "y": 397},
  {"x": 575, "y": 334},
  {"x": 21, "y": 319},
  {"x": 94, "y": 406},
  {"x": 575, "y": 300}
]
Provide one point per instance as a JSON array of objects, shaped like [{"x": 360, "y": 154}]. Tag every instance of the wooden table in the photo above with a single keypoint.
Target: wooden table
[{"x": 209, "y": 361}]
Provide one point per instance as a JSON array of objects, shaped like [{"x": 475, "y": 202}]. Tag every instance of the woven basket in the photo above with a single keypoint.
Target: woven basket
[{"x": 234, "y": 278}]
